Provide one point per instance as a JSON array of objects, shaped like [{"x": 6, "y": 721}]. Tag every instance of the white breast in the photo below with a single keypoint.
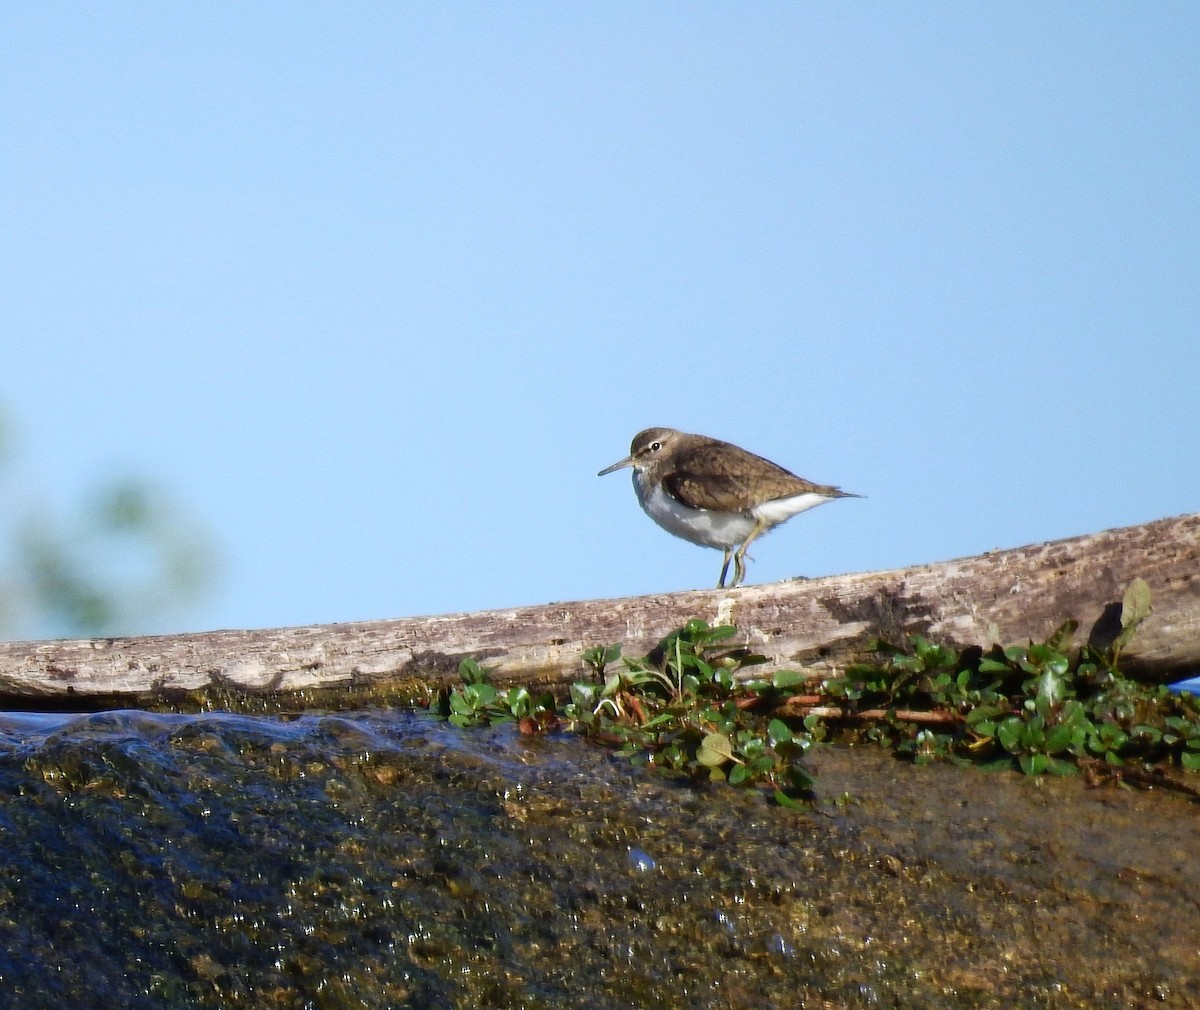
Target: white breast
[
  {"x": 707, "y": 528},
  {"x": 698, "y": 526}
]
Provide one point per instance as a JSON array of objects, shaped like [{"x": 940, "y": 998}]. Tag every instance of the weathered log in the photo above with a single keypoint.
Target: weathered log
[{"x": 819, "y": 624}]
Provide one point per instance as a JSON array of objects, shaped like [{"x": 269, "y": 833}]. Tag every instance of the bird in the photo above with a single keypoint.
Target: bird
[{"x": 714, "y": 493}]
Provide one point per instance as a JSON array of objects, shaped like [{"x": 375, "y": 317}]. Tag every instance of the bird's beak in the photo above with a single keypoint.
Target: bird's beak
[{"x": 627, "y": 461}]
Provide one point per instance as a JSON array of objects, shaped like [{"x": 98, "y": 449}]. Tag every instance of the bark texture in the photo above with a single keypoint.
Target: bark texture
[{"x": 1008, "y": 596}]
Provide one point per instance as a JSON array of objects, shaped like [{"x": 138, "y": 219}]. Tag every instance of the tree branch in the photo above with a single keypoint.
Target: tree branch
[{"x": 820, "y": 625}]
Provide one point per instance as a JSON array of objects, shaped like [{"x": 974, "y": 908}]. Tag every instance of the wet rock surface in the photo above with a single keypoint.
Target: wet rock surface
[{"x": 385, "y": 859}]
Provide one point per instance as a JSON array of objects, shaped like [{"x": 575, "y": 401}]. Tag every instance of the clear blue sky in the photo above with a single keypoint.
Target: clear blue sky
[{"x": 375, "y": 289}]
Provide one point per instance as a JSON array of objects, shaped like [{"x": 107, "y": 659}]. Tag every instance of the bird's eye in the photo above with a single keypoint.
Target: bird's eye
[{"x": 655, "y": 446}]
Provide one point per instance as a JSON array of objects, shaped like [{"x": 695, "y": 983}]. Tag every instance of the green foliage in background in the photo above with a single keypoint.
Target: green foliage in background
[{"x": 126, "y": 557}]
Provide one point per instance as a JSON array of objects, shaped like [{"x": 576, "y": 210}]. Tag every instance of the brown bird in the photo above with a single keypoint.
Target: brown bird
[{"x": 715, "y": 494}]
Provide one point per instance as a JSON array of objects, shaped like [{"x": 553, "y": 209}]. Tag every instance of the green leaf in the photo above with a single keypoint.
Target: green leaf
[
  {"x": 1050, "y": 687},
  {"x": 471, "y": 672},
  {"x": 1033, "y": 764},
  {"x": 1011, "y": 734},
  {"x": 1057, "y": 766},
  {"x": 1058, "y": 738},
  {"x": 779, "y": 731},
  {"x": 1109, "y": 735},
  {"x": 481, "y": 695},
  {"x": 584, "y": 695},
  {"x": 1151, "y": 733},
  {"x": 1135, "y": 606},
  {"x": 786, "y": 679},
  {"x": 518, "y": 698},
  {"x": 1033, "y": 734},
  {"x": 715, "y": 749},
  {"x": 751, "y": 747},
  {"x": 1061, "y": 640},
  {"x": 784, "y": 800}
]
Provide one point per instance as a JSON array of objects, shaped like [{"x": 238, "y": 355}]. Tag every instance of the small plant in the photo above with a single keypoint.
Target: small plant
[
  {"x": 479, "y": 703},
  {"x": 688, "y": 709},
  {"x": 682, "y": 709},
  {"x": 1043, "y": 707}
]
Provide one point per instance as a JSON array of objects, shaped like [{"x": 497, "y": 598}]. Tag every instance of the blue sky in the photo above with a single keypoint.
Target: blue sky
[{"x": 374, "y": 290}]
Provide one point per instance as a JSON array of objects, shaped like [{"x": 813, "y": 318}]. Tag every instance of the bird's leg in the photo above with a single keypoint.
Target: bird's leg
[
  {"x": 725, "y": 568},
  {"x": 739, "y": 557}
]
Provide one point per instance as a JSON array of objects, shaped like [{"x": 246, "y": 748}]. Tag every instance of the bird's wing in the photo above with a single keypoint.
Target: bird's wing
[
  {"x": 715, "y": 492},
  {"x": 707, "y": 480}
]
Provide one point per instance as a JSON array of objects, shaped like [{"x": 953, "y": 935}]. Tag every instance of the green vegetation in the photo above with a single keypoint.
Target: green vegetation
[
  {"x": 681, "y": 709},
  {"x": 1044, "y": 707},
  {"x": 126, "y": 557},
  {"x": 687, "y": 709},
  {"x": 478, "y": 703}
]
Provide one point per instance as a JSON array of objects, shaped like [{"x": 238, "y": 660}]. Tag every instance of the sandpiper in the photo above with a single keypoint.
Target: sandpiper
[{"x": 715, "y": 494}]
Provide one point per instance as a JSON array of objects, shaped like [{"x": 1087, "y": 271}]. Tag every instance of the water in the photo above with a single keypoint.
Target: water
[{"x": 383, "y": 859}]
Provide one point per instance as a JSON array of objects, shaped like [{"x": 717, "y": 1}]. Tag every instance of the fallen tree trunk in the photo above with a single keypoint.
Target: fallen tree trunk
[{"x": 1008, "y": 596}]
